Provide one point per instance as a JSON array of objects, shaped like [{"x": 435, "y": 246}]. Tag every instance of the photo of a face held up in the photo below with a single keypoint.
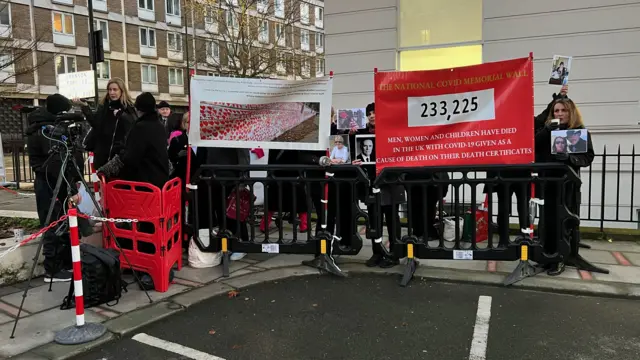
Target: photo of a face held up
[
  {"x": 365, "y": 149},
  {"x": 339, "y": 149},
  {"x": 560, "y": 68},
  {"x": 572, "y": 141}
]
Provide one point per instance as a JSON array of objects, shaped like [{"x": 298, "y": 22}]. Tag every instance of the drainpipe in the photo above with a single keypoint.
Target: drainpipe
[{"x": 124, "y": 43}]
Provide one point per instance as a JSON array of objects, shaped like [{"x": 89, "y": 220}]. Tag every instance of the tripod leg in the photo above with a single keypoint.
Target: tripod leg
[{"x": 56, "y": 190}]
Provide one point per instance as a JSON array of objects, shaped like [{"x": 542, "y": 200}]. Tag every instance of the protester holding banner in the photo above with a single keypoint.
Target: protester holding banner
[
  {"x": 391, "y": 198},
  {"x": 566, "y": 111},
  {"x": 110, "y": 123}
]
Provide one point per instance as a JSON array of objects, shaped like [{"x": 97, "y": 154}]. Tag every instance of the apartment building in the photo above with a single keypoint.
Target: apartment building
[{"x": 153, "y": 44}]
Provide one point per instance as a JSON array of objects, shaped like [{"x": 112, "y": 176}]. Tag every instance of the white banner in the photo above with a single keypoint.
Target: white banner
[
  {"x": 269, "y": 114},
  {"x": 77, "y": 85}
]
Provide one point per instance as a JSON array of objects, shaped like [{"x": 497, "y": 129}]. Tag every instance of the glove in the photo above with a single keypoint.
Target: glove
[
  {"x": 111, "y": 168},
  {"x": 562, "y": 157},
  {"x": 182, "y": 153},
  {"x": 551, "y": 126}
]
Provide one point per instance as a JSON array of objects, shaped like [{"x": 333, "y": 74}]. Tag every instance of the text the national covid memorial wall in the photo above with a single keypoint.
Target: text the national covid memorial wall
[{"x": 474, "y": 115}]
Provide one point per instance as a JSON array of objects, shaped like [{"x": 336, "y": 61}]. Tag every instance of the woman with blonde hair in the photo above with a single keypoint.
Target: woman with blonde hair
[
  {"x": 110, "y": 123},
  {"x": 563, "y": 115}
]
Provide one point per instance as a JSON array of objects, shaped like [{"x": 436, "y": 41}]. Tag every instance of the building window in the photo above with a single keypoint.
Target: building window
[
  {"x": 5, "y": 14},
  {"x": 319, "y": 67},
  {"x": 304, "y": 39},
  {"x": 263, "y": 5},
  {"x": 263, "y": 35},
  {"x": 65, "y": 64},
  {"x": 281, "y": 65},
  {"x": 232, "y": 20},
  {"x": 279, "y": 8},
  {"x": 430, "y": 22},
  {"x": 149, "y": 74},
  {"x": 102, "y": 25},
  {"x": 211, "y": 73},
  {"x": 104, "y": 70},
  {"x": 145, "y": 4},
  {"x": 147, "y": 37},
  {"x": 213, "y": 52},
  {"x": 174, "y": 41},
  {"x": 62, "y": 23},
  {"x": 305, "y": 68},
  {"x": 173, "y": 7},
  {"x": 319, "y": 40},
  {"x": 304, "y": 13},
  {"x": 99, "y": 5},
  {"x": 319, "y": 21},
  {"x": 176, "y": 77},
  {"x": 430, "y": 38}
]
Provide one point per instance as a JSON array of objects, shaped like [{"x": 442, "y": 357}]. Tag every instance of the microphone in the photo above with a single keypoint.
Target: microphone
[{"x": 324, "y": 161}]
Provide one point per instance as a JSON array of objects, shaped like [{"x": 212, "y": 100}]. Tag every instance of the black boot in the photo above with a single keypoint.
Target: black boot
[
  {"x": 556, "y": 269},
  {"x": 374, "y": 260},
  {"x": 389, "y": 262}
]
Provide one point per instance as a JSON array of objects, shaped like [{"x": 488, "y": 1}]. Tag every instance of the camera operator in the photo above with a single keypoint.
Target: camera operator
[
  {"x": 48, "y": 156},
  {"x": 110, "y": 124}
]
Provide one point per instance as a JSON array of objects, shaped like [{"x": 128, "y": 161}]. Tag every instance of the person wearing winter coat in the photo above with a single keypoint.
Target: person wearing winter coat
[
  {"x": 144, "y": 157},
  {"x": 110, "y": 123},
  {"x": 178, "y": 147},
  {"x": 565, "y": 110}
]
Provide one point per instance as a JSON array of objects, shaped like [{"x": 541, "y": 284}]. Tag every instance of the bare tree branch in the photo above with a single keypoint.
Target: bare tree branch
[
  {"x": 17, "y": 59},
  {"x": 252, "y": 38}
]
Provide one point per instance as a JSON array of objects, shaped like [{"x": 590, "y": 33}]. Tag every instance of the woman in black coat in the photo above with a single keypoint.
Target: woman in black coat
[
  {"x": 522, "y": 191},
  {"x": 110, "y": 124},
  {"x": 179, "y": 147},
  {"x": 565, "y": 110},
  {"x": 144, "y": 158}
]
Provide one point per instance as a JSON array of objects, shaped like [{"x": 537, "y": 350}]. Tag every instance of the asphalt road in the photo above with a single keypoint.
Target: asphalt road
[{"x": 370, "y": 318}]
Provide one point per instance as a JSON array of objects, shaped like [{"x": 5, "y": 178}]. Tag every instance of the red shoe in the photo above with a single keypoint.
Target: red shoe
[
  {"x": 266, "y": 221},
  {"x": 303, "y": 221}
]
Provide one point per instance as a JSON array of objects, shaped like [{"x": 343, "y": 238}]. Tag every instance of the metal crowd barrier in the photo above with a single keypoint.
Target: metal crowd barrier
[{"x": 214, "y": 186}]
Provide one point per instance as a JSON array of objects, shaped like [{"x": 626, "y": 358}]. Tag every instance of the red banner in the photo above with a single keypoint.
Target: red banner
[{"x": 474, "y": 115}]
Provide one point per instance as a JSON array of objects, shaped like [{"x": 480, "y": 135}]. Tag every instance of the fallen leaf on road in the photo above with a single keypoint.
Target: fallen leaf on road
[
  {"x": 273, "y": 301},
  {"x": 212, "y": 332},
  {"x": 314, "y": 305},
  {"x": 235, "y": 347},
  {"x": 232, "y": 294}
]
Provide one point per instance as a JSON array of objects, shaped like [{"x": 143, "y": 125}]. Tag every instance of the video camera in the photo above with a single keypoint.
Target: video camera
[{"x": 68, "y": 127}]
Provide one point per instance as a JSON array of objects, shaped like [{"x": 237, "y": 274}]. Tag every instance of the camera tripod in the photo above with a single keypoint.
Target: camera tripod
[{"x": 90, "y": 331}]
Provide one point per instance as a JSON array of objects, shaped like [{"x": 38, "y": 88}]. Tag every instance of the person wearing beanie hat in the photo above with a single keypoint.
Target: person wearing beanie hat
[
  {"x": 58, "y": 103},
  {"x": 145, "y": 157}
]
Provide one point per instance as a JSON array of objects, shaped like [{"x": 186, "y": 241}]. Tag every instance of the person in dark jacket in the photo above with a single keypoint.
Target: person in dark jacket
[
  {"x": 110, "y": 124},
  {"x": 164, "y": 112},
  {"x": 565, "y": 110},
  {"x": 145, "y": 157},
  {"x": 521, "y": 191},
  {"x": 179, "y": 146},
  {"x": 42, "y": 134},
  {"x": 392, "y": 197},
  {"x": 576, "y": 143}
]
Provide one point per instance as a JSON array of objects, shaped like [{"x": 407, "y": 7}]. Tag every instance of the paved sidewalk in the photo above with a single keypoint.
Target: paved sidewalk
[
  {"x": 18, "y": 205},
  {"x": 42, "y": 316}
]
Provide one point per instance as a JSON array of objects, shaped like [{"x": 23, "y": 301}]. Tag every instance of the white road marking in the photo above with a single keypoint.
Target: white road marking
[
  {"x": 174, "y": 348},
  {"x": 481, "y": 330}
]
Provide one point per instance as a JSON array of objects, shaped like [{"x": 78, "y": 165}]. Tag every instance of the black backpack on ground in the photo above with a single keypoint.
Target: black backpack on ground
[{"x": 102, "y": 281}]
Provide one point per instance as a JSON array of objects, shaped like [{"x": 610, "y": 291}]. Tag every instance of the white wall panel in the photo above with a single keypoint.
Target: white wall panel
[
  {"x": 590, "y": 68},
  {"x": 332, "y": 7},
  {"x": 360, "y": 41},
  {"x": 562, "y": 22},
  {"x": 369, "y": 20},
  {"x": 502, "y": 8},
  {"x": 362, "y": 62}
]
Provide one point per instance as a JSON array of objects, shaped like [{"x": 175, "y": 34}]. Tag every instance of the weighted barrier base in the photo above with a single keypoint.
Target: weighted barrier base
[
  {"x": 325, "y": 263},
  {"x": 524, "y": 270},
  {"x": 225, "y": 263},
  {"x": 409, "y": 270},
  {"x": 581, "y": 263},
  {"x": 74, "y": 335},
  {"x": 584, "y": 246}
]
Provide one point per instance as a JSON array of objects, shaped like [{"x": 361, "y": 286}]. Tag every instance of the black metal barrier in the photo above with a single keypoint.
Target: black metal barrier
[
  {"x": 217, "y": 188},
  {"x": 560, "y": 230},
  {"x": 216, "y": 185}
]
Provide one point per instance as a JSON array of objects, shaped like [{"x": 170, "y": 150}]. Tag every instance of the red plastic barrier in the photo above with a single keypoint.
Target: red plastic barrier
[{"x": 152, "y": 244}]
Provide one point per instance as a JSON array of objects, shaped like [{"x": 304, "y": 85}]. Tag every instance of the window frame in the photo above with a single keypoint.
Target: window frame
[
  {"x": 179, "y": 44},
  {"x": 8, "y": 8},
  {"x": 307, "y": 36},
  {"x": 66, "y": 64},
  {"x": 99, "y": 69},
  {"x": 155, "y": 67},
  {"x": 148, "y": 30},
  {"x": 173, "y": 2},
  {"x": 147, "y": 2},
  {"x": 181, "y": 77},
  {"x": 97, "y": 26},
  {"x": 263, "y": 38},
  {"x": 63, "y": 22},
  {"x": 319, "y": 35},
  {"x": 212, "y": 45},
  {"x": 304, "y": 20}
]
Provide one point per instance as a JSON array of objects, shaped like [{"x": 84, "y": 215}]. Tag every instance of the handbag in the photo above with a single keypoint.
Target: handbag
[{"x": 245, "y": 198}]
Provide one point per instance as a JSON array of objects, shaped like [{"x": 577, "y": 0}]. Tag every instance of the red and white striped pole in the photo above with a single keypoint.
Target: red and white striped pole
[
  {"x": 77, "y": 266},
  {"x": 81, "y": 332}
]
